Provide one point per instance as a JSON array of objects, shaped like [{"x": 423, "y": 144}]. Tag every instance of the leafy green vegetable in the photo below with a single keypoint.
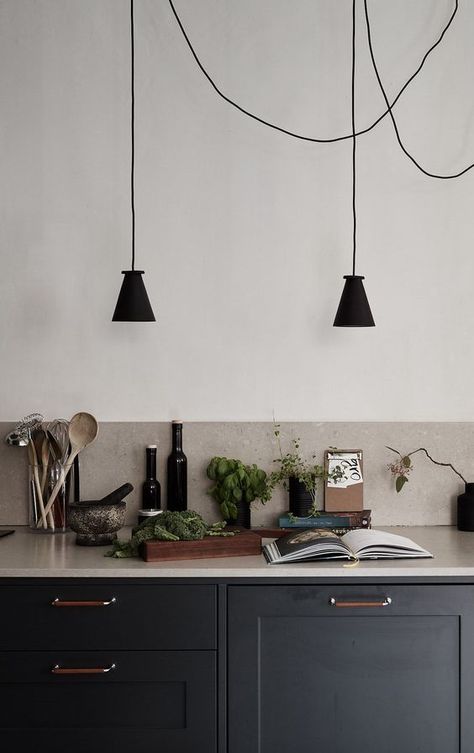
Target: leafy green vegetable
[
  {"x": 169, "y": 525},
  {"x": 235, "y": 482}
]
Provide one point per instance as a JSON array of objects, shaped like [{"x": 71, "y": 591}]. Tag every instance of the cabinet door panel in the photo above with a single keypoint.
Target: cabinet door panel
[
  {"x": 150, "y": 700},
  {"x": 364, "y": 679},
  {"x": 303, "y": 674}
]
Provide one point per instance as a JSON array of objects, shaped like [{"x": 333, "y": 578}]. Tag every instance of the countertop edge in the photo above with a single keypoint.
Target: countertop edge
[
  {"x": 275, "y": 573},
  {"x": 29, "y": 555}
]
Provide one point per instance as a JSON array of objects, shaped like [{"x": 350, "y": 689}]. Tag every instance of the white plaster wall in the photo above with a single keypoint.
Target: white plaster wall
[{"x": 244, "y": 233}]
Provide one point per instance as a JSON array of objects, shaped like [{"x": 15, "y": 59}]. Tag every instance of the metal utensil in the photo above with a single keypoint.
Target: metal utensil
[
  {"x": 59, "y": 429},
  {"x": 83, "y": 430},
  {"x": 20, "y": 436},
  {"x": 56, "y": 451}
]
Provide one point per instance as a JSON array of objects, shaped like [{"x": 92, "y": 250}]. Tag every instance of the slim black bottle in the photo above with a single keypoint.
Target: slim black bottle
[
  {"x": 177, "y": 471},
  {"x": 151, "y": 490}
]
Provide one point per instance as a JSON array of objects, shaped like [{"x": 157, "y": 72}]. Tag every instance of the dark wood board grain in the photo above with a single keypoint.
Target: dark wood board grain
[{"x": 244, "y": 543}]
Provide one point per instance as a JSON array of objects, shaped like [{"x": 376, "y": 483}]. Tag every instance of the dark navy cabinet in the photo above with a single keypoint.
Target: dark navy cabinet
[
  {"x": 236, "y": 666},
  {"x": 108, "y": 667},
  {"x": 145, "y": 701},
  {"x": 351, "y": 669}
]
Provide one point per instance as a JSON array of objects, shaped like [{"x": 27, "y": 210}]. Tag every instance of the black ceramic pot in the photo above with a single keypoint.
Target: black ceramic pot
[
  {"x": 243, "y": 515},
  {"x": 301, "y": 500},
  {"x": 466, "y": 509}
]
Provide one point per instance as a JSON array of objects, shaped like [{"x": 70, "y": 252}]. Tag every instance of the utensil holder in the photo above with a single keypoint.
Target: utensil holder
[{"x": 42, "y": 480}]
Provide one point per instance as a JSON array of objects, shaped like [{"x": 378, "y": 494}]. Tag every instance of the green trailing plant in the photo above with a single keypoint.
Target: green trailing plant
[
  {"x": 403, "y": 466},
  {"x": 235, "y": 482},
  {"x": 293, "y": 465}
]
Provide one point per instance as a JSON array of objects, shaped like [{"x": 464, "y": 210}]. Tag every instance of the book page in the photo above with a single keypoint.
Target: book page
[
  {"x": 305, "y": 546},
  {"x": 309, "y": 540},
  {"x": 362, "y": 539}
]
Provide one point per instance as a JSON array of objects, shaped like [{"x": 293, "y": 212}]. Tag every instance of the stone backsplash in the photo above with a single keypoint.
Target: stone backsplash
[{"x": 118, "y": 456}]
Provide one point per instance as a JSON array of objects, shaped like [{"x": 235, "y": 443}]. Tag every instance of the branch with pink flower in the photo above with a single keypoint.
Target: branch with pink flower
[{"x": 403, "y": 466}]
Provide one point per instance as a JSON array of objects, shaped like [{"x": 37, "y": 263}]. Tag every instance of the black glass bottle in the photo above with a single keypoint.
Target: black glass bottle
[
  {"x": 177, "y": 471},
  {"x": 151, "y": 490}
]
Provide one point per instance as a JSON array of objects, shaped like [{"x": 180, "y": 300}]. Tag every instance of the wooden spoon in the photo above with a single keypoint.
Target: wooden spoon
[
  {"x": 83, "y": 430},
  {"x": 56, "y": 455},
  {"x": 42, "y": 521},
  {"x": 45, "y": 465},
  {"x": 38, "y": 447},
  {"x": 44, "y": 461}
]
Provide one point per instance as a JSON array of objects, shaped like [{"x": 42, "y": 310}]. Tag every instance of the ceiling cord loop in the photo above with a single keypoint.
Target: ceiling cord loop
[
  {"x": 392, "y": 116},
  {"x": 310, "y": 138}
]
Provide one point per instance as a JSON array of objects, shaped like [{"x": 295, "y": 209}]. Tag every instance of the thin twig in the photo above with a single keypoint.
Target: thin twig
[
  {"x": 276, "y": 433},
  {"x": 436, "y": 462}
]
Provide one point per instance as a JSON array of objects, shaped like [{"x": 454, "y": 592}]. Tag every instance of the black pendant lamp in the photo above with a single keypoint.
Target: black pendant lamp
[
  {"x": 133, "y": 304},
  {"x": 354, "y": 309}
]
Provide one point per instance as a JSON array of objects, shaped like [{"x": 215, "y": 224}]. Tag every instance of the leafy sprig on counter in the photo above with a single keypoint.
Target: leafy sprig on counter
[{"x": 170, "y": 525}]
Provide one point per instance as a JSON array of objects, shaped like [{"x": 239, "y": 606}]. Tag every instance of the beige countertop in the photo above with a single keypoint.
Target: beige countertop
[{"x": 27, "y": 554}]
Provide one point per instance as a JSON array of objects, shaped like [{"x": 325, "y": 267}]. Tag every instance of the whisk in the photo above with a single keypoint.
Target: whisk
[{"x": 21, "y": 434}]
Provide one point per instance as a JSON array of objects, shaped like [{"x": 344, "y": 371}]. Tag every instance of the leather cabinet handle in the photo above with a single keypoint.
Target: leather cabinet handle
[
  {"x": 57, "y": 670},
  {"x": 61, "y": 603},
  {"x": 359, "y": 604}
]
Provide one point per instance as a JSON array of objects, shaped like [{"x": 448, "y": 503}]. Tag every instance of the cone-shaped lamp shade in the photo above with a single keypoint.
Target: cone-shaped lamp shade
[
  {"x": 354, "y": 309},
  {"x": 133, "y": 304}
]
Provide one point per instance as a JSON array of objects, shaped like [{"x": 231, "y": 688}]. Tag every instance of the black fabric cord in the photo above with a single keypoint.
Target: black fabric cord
[
  {"x": 354, "y": 139},
  {"x": 132, "y": 128},
  {"x": 394, "y": 122},
  {"x": 291, "y": 133}
]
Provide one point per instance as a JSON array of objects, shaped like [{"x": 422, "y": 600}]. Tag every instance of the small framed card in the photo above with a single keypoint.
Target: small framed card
[{"x": 347, "y": 493}]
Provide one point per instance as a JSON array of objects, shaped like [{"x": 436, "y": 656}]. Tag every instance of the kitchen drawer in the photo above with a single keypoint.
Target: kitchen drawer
[
  {"x": 101, "y": 616},
  {"x": 347, "y": 600},
  {"x": 163, "y": 701}
]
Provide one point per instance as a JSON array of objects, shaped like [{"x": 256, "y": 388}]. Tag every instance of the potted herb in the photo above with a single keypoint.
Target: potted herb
[
  {"x": 236, "y": 486},
  {"x": 403, "y": 466},
  {"x": 299, "y": 477}
]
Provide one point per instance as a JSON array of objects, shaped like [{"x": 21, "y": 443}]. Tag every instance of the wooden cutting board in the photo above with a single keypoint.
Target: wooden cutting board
[{"x": 244, "y": 543}]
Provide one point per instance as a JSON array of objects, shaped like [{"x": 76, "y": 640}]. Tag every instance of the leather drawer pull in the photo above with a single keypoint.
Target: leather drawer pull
[
  {"x": 61, "y": 603},
  {"x": 359, "y": 604},
  {"x": 57, "y": 670}
]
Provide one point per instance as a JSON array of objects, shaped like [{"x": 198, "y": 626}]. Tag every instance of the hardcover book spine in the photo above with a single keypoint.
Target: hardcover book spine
[
  {"x": 342, "y": 531},
  {"x": 358, "y": 520}
]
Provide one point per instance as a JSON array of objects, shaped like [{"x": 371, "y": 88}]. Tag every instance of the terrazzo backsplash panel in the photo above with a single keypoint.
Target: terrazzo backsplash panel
[{"x": 118, "y": 455}]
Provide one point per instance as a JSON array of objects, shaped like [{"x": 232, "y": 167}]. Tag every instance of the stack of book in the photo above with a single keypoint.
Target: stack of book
[{"x": 337, "y": 522}]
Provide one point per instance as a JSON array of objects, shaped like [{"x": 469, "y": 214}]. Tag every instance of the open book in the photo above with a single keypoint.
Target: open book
[{"x": 363, "y": 544}]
